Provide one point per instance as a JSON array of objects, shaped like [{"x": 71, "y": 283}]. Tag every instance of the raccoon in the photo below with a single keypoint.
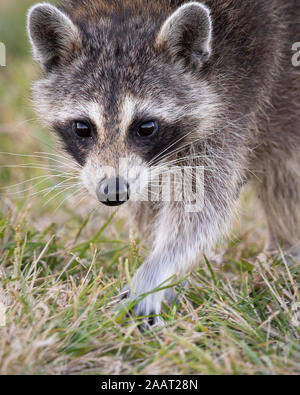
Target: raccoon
[{"x": 207, "y": 84}]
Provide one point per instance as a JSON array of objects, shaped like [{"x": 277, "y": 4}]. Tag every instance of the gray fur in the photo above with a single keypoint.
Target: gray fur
[
  {"x": 190, "y": 24},
  {"x": 52, "y": 34}
]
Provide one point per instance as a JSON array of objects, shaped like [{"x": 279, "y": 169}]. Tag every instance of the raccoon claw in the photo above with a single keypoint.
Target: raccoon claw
[
  {"x": 145, "y": 309},
  {"x": 124, "y": 294}
]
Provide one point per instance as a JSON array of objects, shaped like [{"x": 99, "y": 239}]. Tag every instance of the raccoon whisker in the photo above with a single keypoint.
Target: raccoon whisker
[
  {"x": 168, "y": 155},
  {"x": 188, "y": 172},
  {"x": 58, "y": 194},
  {"x": 27, "y": 121},
  {"x": 144, "y": 195},
  {"x": 67, "y": 182},
  {"x": 156, "y": 157},
  {"x": 175, "y": 151},
  {"x": 167, "y": 170},
  {"x": 44, "y": 178},
  {"x": 61, "y": 187},
  {"x": 34, "y": 155},
  {"x": 76, "y": 193},
  {"x": 64, "y": 163},
  {"x": 34, "y": 186},
  {"x": 64, "y": 159},
  {"x": 178, "y": 185},
  {"x": 190, "y": 159},
  {"x": 52, "y": 188},
  {"x": 56, "y": 155},
  {"x": 61, "y": 184},
  {"x": 153, "y": 182},
  {"x": 189, "y": 143},
  {"x": 85, "y": 195},
  {"x": 190, "y": 162},
  {"x": 33, "y": 166},
  {"x": 192, "y": 142},
  {"x": 60, "y": 155}
]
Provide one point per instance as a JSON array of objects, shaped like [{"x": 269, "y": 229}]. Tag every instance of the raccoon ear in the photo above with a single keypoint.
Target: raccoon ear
[
  {"x": 187, "y": 34},
  {"x": 53, "y": 36}
]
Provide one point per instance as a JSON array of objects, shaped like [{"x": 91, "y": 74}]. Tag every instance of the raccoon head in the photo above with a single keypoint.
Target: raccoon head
[{"x": 123, "y": 84}]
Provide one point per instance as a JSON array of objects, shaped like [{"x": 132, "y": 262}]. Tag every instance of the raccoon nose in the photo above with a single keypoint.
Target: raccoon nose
[{"x": 113, "y": 191}]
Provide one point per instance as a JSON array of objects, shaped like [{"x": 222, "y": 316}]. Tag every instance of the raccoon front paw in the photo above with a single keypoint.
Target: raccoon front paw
[{"x": 145, "y": 308}]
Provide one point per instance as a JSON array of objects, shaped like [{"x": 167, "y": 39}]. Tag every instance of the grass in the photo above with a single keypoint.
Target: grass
[{"x": 60, "y": 270}]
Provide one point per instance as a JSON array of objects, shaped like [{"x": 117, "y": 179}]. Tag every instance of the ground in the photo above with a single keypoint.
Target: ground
[{"x": 63, "y": 259}]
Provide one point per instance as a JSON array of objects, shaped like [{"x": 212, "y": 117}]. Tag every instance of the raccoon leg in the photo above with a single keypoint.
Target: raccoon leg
[
  {"x": 180, "y": 238},
  {"x": 279, "y": 191},
  {"x": 144, "y": 216}
]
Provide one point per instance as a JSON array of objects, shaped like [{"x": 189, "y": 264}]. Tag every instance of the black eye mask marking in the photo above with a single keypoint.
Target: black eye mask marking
[
  {"x": 167, "y": 135},
  {"x": 77, "y": 138}
]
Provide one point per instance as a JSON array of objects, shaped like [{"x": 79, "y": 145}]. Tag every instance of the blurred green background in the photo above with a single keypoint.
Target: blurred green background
[
  {"x": 21, "y": 132},
  {"x": 15, "y": 107}
]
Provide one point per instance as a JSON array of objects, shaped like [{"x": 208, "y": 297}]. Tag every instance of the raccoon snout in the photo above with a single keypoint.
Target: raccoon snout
[{"x": 113, "y": 191}]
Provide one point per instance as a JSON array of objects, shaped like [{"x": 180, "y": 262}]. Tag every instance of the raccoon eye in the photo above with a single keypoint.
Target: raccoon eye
[
  {"x": 148, "y": 129},
  {"x": 82, "y": 128}
]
